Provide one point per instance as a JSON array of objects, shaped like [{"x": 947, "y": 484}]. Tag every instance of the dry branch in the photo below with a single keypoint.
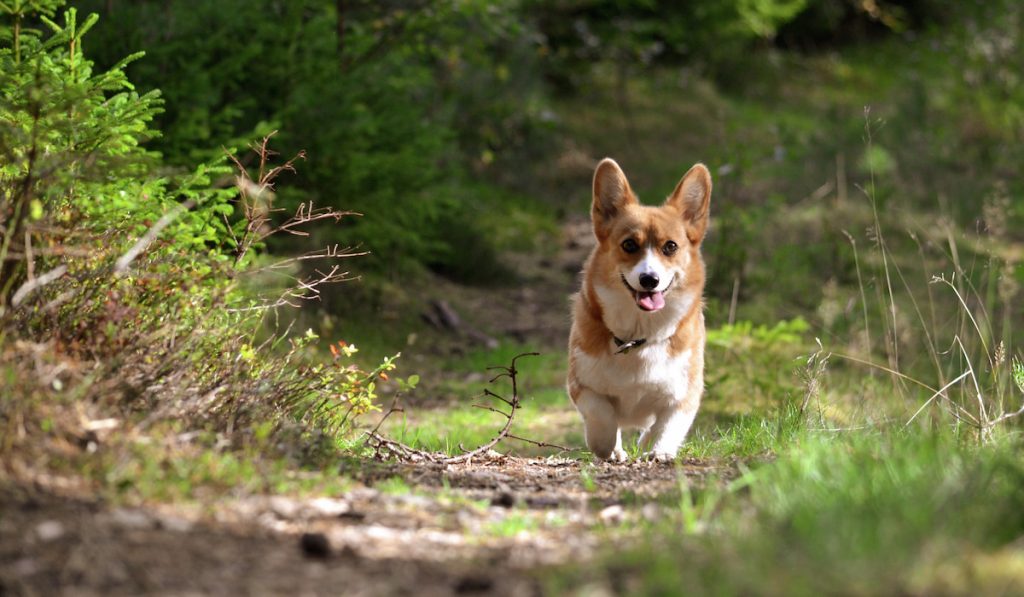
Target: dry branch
[
  {"x": 36, "y": 283},
  {"x": 147, "y": 239},
  {"x": 384, "y": 447},
  {"x": 256, "y": 196}
]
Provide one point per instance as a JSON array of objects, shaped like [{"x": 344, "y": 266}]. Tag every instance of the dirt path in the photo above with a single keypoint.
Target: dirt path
[
  {"x": 485, "y": 527},
  {"x": 482, "y": 527}
]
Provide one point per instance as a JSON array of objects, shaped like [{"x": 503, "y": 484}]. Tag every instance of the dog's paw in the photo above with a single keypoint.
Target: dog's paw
[
  {"x": 618, "y": 455},
  {"x": 660, "y": 456}
]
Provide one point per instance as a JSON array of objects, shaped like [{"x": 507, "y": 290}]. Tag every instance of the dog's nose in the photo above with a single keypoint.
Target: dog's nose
[{"x": 648, "y": 281}]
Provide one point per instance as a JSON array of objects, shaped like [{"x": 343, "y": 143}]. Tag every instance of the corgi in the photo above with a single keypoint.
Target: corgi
[{"x": 636, "y": 349}]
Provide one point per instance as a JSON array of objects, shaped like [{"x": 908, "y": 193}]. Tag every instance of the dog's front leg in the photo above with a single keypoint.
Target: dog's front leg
[
  {"x": 601, "y": 426},
  {"x": 662, "y": 440}
]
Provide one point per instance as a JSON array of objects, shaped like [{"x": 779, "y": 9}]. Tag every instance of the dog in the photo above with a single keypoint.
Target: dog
[{"x": 636, "y": 349}]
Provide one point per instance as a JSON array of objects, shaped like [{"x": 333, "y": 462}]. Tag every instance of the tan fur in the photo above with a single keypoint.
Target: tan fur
[{"x": 657, "y": 386}]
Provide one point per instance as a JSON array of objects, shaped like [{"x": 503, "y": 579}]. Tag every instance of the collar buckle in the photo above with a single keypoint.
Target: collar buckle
[{"x": 625, "y": 347}]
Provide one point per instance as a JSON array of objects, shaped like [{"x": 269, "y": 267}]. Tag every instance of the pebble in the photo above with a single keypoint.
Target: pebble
[
  {"x": 328, "y": 507},
  {"x": 651, "y": 512},
  {"x": 26, "y": 567},
  {"x": 131, "y": 519},
  {"x": 49, "y": 530},
  {"x": 613, "y": 514}
]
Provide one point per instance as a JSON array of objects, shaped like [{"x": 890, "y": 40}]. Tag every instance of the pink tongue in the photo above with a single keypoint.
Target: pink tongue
[{"x": 650, "y": 301}]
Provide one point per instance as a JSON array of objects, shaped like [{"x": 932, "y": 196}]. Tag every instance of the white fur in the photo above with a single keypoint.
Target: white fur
[
  {"x": 652, "y": 264},
  {"x": 640, "y": 383},
  {"x": 643, "y": 388},
  {"x": 628, "y": 322},
  {"x": 604, "y": 436},
  {"x": 663, "y": 438}
]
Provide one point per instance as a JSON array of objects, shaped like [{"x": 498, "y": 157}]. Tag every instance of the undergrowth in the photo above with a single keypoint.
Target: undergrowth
[
  {"x": 134, "y": 299},
  {"x": 855, "y": 514}
]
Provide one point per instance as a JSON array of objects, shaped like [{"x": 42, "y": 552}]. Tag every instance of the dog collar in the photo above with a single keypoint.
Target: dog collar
[{"x": 624, "y": 347}]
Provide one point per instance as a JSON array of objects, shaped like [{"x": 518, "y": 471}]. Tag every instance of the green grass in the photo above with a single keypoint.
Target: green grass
[
  {"x": 545, "y": 413},
  {"x": 743, "y": 436},
  {"x": 756, "y": 372},
  {"x": 152, "y": 472},
  {"x": 866, "y": 513},
  {"x": 393, "y": 486}
]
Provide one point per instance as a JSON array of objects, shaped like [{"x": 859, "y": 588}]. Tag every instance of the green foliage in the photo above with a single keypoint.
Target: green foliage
[
  {"x": 756, "y": 362},
  {"x": 21, "y": 13},
  {"x": 764, "y": 17},
  {"x": 415, "y": 100},
  {"x": 713, "y": 35},
  {"x": 745, "y": 334},
  {"x": 144, "y": 263},
  {"x": 353, "y": 390},
  {"x": 866, "y": 512},
  {"x": 67, "y": 136}
]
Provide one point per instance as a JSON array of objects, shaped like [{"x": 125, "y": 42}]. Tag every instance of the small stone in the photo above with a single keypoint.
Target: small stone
[
  {"x": 651, "y": 512},
  {"x": 175, "y": 524},
  {"x": 131, "y": 519},
  {"x": 283, "y": 507},
  {"x": 49, "y": 530},
  {"x": 328, "y": 507},
  {"x": 24, "y": 567},
  {"x": 613, "y": 514},
  {"x": 315, "y": 545},
  {"x": 348, "y": 552}
]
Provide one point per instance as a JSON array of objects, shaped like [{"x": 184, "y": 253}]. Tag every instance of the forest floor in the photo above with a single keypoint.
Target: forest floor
[
  {"x": 483, "y": 526},
  {"x": 480, "y": 527}
]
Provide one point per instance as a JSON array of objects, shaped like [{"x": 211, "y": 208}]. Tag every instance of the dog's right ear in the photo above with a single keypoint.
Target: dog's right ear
[{"x": 611, "y": 194}]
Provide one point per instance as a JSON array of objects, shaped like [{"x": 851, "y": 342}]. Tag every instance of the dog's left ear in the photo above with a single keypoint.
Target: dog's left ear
[{"x": 692, "y": 198}]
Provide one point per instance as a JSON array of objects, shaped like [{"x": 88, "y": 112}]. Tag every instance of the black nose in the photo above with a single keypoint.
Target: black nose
[{"x": 648, "y": 281}]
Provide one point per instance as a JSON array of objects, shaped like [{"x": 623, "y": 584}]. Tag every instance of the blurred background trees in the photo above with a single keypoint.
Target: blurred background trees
[{"x": 448, "y": 123}]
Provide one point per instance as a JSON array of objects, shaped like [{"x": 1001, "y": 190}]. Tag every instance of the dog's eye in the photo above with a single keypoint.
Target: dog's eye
[
  {"x": 629, "y": 245},
  {"x": 669, "y": 248}
]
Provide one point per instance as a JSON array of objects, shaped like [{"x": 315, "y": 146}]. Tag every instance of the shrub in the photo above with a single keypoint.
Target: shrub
[{"x": 109, "y": 258}]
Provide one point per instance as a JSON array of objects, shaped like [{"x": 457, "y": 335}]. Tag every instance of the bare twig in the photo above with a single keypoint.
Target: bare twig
[
  {"x": 255, "y": 199},
  {"x": 147, "y": 239},
  {"x": 304, "y": 290},
  {"x": 1004, "y": 417},
  {"x": 384, "y": 446},
  {"x": 542, "y": 444},
  {"x": 36, "y": 283}
]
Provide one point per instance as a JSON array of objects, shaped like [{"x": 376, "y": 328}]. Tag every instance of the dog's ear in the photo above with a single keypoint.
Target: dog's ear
[
  {"x": 692, "y": 198},
  {"x": 611, "y": 194}
]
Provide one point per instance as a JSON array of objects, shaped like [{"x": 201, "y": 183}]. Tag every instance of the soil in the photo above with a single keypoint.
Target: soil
[
  {"x": 488, "y": 526},
  {"x": 484, "y": 527}
]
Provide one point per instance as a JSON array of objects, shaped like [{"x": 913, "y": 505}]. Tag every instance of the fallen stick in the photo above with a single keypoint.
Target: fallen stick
[{"x": 383, "y": 445}]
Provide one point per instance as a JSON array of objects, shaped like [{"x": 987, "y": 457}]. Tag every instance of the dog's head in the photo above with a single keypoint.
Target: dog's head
[{"x": 651, "y": 253}]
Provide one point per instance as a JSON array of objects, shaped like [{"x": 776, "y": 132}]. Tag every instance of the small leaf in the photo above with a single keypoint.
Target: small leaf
[{"x": 36, "y": 209}]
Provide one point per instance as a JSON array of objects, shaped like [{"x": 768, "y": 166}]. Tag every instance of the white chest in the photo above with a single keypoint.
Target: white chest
[{"x": 643, "y": 381}]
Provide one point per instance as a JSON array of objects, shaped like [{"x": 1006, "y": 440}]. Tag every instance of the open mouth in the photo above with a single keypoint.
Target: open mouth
[{"x": 648, "y": 300}]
